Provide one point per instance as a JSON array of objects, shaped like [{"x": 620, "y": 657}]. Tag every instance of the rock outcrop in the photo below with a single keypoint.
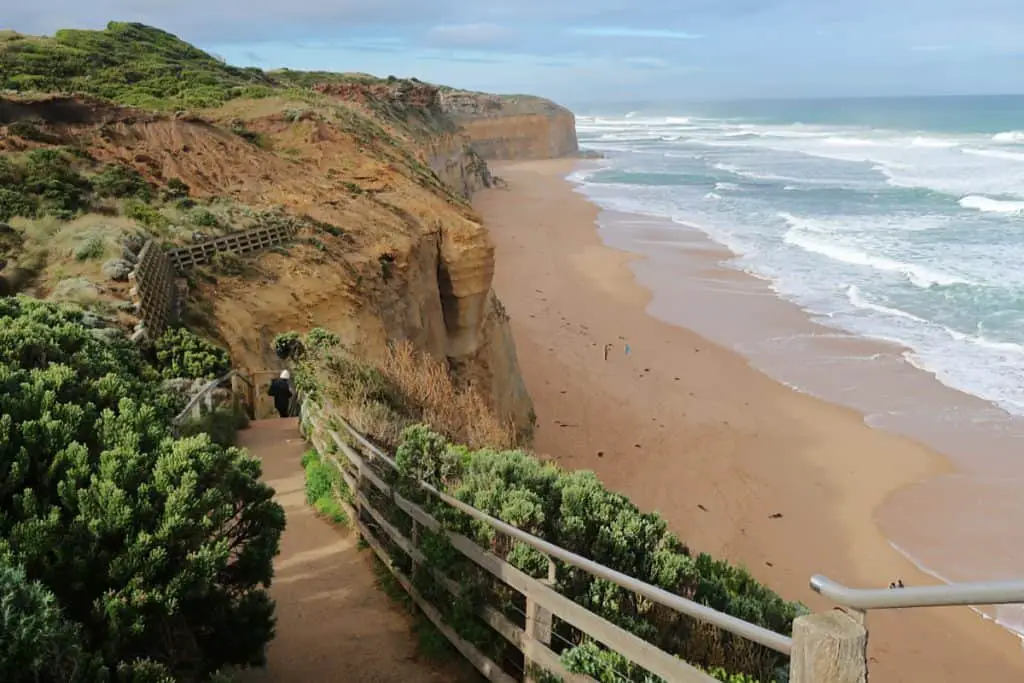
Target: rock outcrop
[{"x": 506, "y": 127}]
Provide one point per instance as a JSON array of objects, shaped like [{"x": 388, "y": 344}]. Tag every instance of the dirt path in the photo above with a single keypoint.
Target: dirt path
[{"x": 333, "y": 623}]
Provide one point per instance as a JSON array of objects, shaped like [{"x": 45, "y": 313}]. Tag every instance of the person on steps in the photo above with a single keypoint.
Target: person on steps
[{"x": 281, "y": 390}]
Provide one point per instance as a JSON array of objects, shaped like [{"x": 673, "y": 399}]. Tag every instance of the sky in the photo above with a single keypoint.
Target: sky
[{"x": 601, "y": 50}]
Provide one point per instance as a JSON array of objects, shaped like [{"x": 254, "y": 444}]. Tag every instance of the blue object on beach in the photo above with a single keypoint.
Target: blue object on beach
[{"x": 627, "y": 349}]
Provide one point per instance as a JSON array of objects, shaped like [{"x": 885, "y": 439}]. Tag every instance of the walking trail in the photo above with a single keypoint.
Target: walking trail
[{"x": 333, "y": 623}]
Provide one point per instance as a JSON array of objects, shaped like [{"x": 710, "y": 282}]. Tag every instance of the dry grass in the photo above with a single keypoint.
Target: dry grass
[{"x": 408, "y": 387}]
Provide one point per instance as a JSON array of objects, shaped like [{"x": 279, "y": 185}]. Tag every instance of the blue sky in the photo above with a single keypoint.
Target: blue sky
[{"x": 602, "y": 50}]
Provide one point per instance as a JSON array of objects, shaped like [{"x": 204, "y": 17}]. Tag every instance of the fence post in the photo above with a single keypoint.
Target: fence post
[
  {"x": 538, "y": 626},
  {"x": 829, "y": 647}
]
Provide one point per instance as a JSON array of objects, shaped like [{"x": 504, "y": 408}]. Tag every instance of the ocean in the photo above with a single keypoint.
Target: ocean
[{"x": 899, "y": 220}]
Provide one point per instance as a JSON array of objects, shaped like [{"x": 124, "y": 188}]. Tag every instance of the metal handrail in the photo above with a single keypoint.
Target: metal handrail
[
  {"x": 207, "y": 388},
  {"x": 752, "y": 632},
  {"x": 978, "y": 593}
]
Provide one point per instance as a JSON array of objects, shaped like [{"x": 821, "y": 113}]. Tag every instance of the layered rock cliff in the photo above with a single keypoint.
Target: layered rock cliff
[
  {"x": 505, "y": 127},
  {"x": 376, "y": 172}
]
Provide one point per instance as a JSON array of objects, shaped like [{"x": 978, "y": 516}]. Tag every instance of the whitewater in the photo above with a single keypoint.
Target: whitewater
[
  {"x": 911, "y": 236},
  {"x": 895, "y": 220}
]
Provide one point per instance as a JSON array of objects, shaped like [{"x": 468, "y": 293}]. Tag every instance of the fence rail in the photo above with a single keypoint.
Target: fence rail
[
  {"x": 242, "y": 395},
  {"x": 244, "y": 242},
  {"x": 817, "y": 638}
]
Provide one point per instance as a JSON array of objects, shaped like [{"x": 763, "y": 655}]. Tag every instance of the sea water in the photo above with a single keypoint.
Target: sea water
[{"x": 895, "y": 219}]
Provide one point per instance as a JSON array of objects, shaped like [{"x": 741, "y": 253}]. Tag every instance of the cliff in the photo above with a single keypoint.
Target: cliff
[
  {"x": 375, "y": 172},
  {"x": 504, "y": 127}
]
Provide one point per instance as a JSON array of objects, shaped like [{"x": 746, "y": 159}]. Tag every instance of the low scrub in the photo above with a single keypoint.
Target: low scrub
[
  {"x": 404, "y": 387},
  {"x": 466, "y": 452},
  {"x": 325, "y": 488},
  {"x": 181, "y": 353},
  {"x": 126, "y": 554}
]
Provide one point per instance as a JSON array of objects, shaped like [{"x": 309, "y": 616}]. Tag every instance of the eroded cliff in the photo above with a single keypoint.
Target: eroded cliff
[
  {"x": 376, "y": 172},
  {"x": 504, "y": 127}
]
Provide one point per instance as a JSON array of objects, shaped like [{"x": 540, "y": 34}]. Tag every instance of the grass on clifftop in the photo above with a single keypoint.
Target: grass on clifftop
[{"x": 141, "y": 66}]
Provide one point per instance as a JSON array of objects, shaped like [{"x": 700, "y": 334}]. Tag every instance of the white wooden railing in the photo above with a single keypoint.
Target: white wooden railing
[{"x": 829, "y": 647}]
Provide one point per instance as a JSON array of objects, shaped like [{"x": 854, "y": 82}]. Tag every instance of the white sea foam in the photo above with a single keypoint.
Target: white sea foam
[
  {"x": 730, "y": 187},
  {"x": 807, "y": 235},
  {"x": 1012, "y": 137},
  {"x": 989, "y": 205}
]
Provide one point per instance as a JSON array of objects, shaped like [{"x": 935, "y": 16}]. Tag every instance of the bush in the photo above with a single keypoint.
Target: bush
[
  {"x": 146, "y": 215},
  {"x": 176, "y": 189},
  {"x": 136, "y": 534},
  {"x": 204, "y": 219},
  {"x": 325, "y": 488},
  {"x": 129, "y": 63},
  {"x": 14, "y": 203},
  {"x": 180, "y": 353},
  {"x": 575, "y": 511},
  {"x": 319, "y": 339},
  {"x": 51, "y": 176},
  {"x": 92, "y": 248},
  {"x": 288, "y": 345},
  {"x": 36, "y": 641},
  {"x": 120, "y": 181}
]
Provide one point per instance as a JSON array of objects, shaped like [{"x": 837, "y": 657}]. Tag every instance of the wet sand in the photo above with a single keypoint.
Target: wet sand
[{"x": 740, "y": 465}]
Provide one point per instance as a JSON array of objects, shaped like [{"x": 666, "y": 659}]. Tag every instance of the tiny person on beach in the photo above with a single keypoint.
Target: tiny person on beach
[
  {"x": 280, "y": 388},
  {"x": 607, "y": 348}
]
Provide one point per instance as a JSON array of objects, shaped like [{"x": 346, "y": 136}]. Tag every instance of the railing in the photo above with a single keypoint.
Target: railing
[
  {"x": 825, "y": 648},
  {"x": 864, "y": 599},
  {"x": 241, "y": 388}
]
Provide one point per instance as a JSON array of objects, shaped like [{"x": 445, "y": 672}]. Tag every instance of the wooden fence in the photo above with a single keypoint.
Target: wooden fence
[
  {"x": 825, "y": 648},
  {"x": 154, "y": 290},
  {"x": 242, "y": 397},
  {"x": 244, "y": 242}
]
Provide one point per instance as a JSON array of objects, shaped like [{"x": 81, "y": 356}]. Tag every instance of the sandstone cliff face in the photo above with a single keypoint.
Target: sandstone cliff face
[
  {"x": 402, "y": 255},
  {"x": 504, "y": 127}
]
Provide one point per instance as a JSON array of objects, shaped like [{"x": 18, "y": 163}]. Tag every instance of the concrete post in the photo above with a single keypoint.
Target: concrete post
[{"x": 830, "y": 647}]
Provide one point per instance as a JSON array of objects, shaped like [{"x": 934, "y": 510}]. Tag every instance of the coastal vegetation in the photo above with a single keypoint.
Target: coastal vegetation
[
  {"x": 126, "y": 554},
  {"x": 444, "y": 434}
]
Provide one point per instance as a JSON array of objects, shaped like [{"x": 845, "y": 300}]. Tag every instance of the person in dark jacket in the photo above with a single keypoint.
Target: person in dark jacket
[{"x": 281, "y": 390}]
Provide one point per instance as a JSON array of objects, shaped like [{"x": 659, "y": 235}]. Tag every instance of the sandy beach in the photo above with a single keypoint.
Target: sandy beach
[{"x": 740, "y": 465}]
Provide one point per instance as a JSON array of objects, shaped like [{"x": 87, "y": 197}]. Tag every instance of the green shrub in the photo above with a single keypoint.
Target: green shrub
[
  {"x": 180, "y": 353},
  {"x": 204, "y": 219},
  {"x": 146, "y": 215},
  {"x": 37, "y": 642},
  {"x": 325, "y": 488},
  {"x": 176, "y": 189},
  {"x": 288, "y": 345},
  {"x": 134, "y": 533},
  {"x": 575, "y": 511},
  {"x": 51, "y": 176},
  {"x": 120, "y": 181},
  {"x": 129, "y": 63},
  {"x": 14, "y": 203},
  {"x": 92, "y": 248},
  {"x": 319, "y": 339}
]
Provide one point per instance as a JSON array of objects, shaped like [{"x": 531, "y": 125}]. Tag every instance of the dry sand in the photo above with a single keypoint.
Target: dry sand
[{"x": 740, "y": 465}]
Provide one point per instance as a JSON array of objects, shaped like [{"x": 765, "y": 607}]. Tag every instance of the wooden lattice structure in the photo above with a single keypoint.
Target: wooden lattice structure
[
  {"x": 256, "y": 239},
  {"x": 155, "y": 291}
]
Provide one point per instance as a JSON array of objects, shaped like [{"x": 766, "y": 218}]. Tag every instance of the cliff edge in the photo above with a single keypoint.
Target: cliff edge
[
  {"x": 507, "y": 127},
  {"x": 374, "y": 175}
]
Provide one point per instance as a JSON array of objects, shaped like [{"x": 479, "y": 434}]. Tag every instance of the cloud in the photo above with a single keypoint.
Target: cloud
[
  {"x": 625, "y": 32},
  {"x": 470, "y": 35}
]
